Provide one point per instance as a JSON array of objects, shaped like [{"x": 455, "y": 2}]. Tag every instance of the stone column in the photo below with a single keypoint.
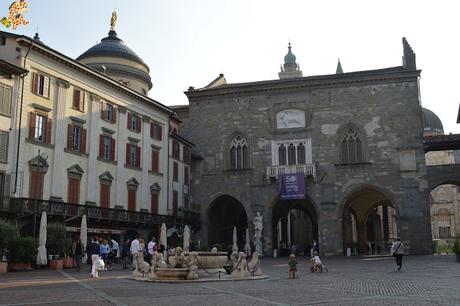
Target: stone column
[
  {"x": 362, "y": 237},
  {"x": 146, "y": 160},
  {"x": 94, "y": 108},
  {"x": 120, "y": 191},
  {"x": 60, "y": 127}
]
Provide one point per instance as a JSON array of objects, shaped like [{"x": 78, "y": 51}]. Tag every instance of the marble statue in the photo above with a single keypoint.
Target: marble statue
[
  {"x": 254, "y": 265},
  {"x": 241, "y": 268},
  {"x": 141, "y": 267},
  {"x": 193, "y": 266},
  {"x": 258, "y": 227},
  {"x": 178, "y": 260}
]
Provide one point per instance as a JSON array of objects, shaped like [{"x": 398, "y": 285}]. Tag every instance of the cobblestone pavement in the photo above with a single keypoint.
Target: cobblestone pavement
[{"x": 424, "y": 280}]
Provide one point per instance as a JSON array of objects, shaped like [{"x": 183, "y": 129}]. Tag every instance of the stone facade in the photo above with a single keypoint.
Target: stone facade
[{"x": 381, "y": 106}]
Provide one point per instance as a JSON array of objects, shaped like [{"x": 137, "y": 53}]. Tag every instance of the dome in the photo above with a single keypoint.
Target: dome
[
  {"x": 112, "y": 57},
  {"x": 290, "y": 57},
  {"x": 431, "y": 122}
]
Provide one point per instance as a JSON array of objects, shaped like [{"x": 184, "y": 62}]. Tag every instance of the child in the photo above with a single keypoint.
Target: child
[
  {"x": 292, "y": 266},
  {"x": 315, "y": 263}
]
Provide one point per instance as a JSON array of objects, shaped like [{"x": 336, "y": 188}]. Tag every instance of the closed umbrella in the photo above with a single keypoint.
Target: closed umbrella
[
  {"x": 235, "y": 240},
  {"x": 186, "y": 238},
  {"x": 84, "y": 237},
  {"x": 163, "y": 238},
  {"x": 41, "y": 256}
]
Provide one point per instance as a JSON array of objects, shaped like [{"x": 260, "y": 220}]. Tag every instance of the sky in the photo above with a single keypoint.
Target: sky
[{"x": 190, "y": 42}]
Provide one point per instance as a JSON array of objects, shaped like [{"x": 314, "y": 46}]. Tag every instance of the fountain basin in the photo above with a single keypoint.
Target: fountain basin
[
  {"x": 172, "y": 274},
  {"x": 209, "y": 260}
]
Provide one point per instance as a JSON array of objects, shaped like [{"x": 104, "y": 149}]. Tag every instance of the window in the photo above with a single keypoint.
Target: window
[
  {"x": 134, "y": 122},
  {"x": 175, "y": 202},
  {"x": 351, "y": 148},
  {"x": 301, "y": 154},
  {"x": 282, "y": 155},
  {"x": 108, "y": 112},
  {"x": 36, "y": 184},
  {"x": 291, "y": 155},
  {"x": 5, "y": 100},
  {"x": 76, "y": 138},
  {"x": 40, "y": 84},
  {"x": 73, "y": 190},
  {"x": 154, "y": 202},
  {"x": 444, "y": 232},
  {"x": 40, "y": 128},
  {"x": 175, "y": 172},
  {"x": 186, "y": 176},
  {"x": 132, "y": 198},
  {"x": 187, "y": 155},
  {"x": 133, "y": 155},
  {"x": 239, "y": 154},
  {"x": 186, "y": 201},
  {"x": 155, "y": 161},
  {"x": 105, "y": 194},
  {"x": 106, "y": 147},
  {"x": 4, "y": 147},
  {"x": 175, "y": 149},
  {"x": 78, "y": 102},
  {"x": 156, "y": 131}
]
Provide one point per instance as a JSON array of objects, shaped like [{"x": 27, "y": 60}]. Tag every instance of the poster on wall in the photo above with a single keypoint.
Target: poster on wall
[{"x": 292, "y": 186}]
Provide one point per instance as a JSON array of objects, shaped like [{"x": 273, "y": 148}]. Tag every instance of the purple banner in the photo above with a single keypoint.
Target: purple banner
[{"x": 292, "y": 186}]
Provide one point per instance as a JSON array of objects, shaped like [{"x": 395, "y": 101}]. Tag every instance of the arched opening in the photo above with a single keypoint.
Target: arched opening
[
  {"x": 226, "y": 212},
  {"x": 368, "y": 222},
  {"x": 445, "y": 219},
  {"x": 295, "y": 226}
]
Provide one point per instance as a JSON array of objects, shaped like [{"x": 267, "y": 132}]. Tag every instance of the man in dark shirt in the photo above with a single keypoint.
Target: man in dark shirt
[{"x": 94, "y": 251}]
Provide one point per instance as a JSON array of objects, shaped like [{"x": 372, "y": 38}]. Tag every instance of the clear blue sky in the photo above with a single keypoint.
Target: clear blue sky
[{"x": 189, "y": 42}]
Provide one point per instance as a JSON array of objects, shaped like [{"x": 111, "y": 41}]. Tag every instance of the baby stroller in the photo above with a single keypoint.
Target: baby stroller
[{"x": 317, "y": 266}]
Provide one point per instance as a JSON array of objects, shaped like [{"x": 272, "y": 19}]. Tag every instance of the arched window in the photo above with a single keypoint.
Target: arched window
[
  {"x": 291, "y": 155},
  {"x": 351, "y": 148},
  {"x": 301, "y": 154},
  {"x": 282, "y": 155},
  {"x": 239, "y": 153}
]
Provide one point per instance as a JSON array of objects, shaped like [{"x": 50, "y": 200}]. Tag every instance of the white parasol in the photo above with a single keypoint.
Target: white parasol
[
  {"x": 186, "y": 238},
  {"x": 84, "y": 237},
  {"x": 163, "y": 238},
  {"x": 235, "y": 240},
  {"x": 41, "y": 256}
]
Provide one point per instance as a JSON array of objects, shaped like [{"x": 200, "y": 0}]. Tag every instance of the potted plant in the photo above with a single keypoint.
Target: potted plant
[
  {"x": 7, "y": 234},
  {"x": 68, "y": 260},
  {"x": 457, "y": 248},
  {"x": 55, "y": 241},
  {"x": 21, "y": 254}
]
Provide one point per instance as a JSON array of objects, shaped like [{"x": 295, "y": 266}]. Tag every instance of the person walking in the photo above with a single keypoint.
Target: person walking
[
  {"x": 125, "y": 254},
  {"x": 151, "y": 247},
  {"x": 95, "y": 251},
  {"x": 105, "y": 249},
  {"x": 116, "y": 250},
  {"x": 397, "y": 250},
  {"x": 77, "y": 253}
]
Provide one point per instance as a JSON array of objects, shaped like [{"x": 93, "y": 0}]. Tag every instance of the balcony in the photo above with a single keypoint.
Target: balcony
[
  {"x": 119, "y": 216},
  {"x": 273, "y": 172}
]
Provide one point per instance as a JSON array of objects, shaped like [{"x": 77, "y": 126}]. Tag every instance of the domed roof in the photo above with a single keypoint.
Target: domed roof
[
  {"x": 112, "y": 46},
  {"x": 290, "y": 57},
  {"x": 431, "y": 122}
]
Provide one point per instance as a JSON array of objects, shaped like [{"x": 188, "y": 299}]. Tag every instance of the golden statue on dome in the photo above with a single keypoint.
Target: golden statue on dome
[{"x": 113, "y": 21}]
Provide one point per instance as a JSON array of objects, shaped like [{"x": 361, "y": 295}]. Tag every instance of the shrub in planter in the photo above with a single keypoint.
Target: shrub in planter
[
  {"x": 21, "y": 253},
  {"x": 55, "y": 240},
  {"x": 7, "y": 234},
  {"x": 456, "y": 247}
]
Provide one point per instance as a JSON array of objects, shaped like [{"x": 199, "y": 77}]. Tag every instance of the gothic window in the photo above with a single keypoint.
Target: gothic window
[
  {"x": 301, "y": 154},
  {"x": 239, "y": 154},
  {"x": 351, "y": 148},
  {"x": 282, "y": 155},
  {"x": 291, "y": 154}
]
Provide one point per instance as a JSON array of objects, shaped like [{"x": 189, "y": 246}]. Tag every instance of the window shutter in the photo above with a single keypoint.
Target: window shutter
[
  {"x": 76, "y": 96},
  {"x": 152, "y": 130},
  {"x": 49, "y": 128},
  {"x": 32, "y": 119},
  {"x": 129, "y": 120},
  {"x": 160, "y": 129},
  {"x": 103, "y": 110},
  {"x": 128, "y": 156},
  {"x": 186, "y": 176},
  {"x": 69, "y": 137},
  {"x": 154, "y": 203},
  {"x": 101, "y": 146},
  {"x": 35, "y": 83},
  {"x": 114, "y": 114},
  {"x": 138, "y": 157},
  {"x": 175, "y": 172},
  {"x": 3, "y": 149},
  {"x": 112, "y": 149},
  {"x": 46, "y": 83},
  {"x": 83, "y": 141},
  {"x": 139, "y": 122},
  {"x": 155, "y": 161},
  {"x": 82, "y": 101}
]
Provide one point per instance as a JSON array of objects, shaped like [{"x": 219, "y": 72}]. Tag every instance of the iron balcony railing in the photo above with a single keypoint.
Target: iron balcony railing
[
  {"x": 25, "y": 205},
  {"x": 276, "y": 171}
]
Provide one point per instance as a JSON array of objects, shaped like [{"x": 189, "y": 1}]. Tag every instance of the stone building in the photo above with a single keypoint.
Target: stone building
[
  {"x": 355, "y": 138},
  {"x": 82, "y": 137}
]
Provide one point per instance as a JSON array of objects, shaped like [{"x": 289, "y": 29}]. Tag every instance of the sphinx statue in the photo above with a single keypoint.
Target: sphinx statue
[
  {"x": 254, "y": 265},
  {"x": 141, "y": 267},
  {"x": 178, "y": 260},
  {"x": 193, "y": 266},
  {"x": 240, "y": 269}
]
